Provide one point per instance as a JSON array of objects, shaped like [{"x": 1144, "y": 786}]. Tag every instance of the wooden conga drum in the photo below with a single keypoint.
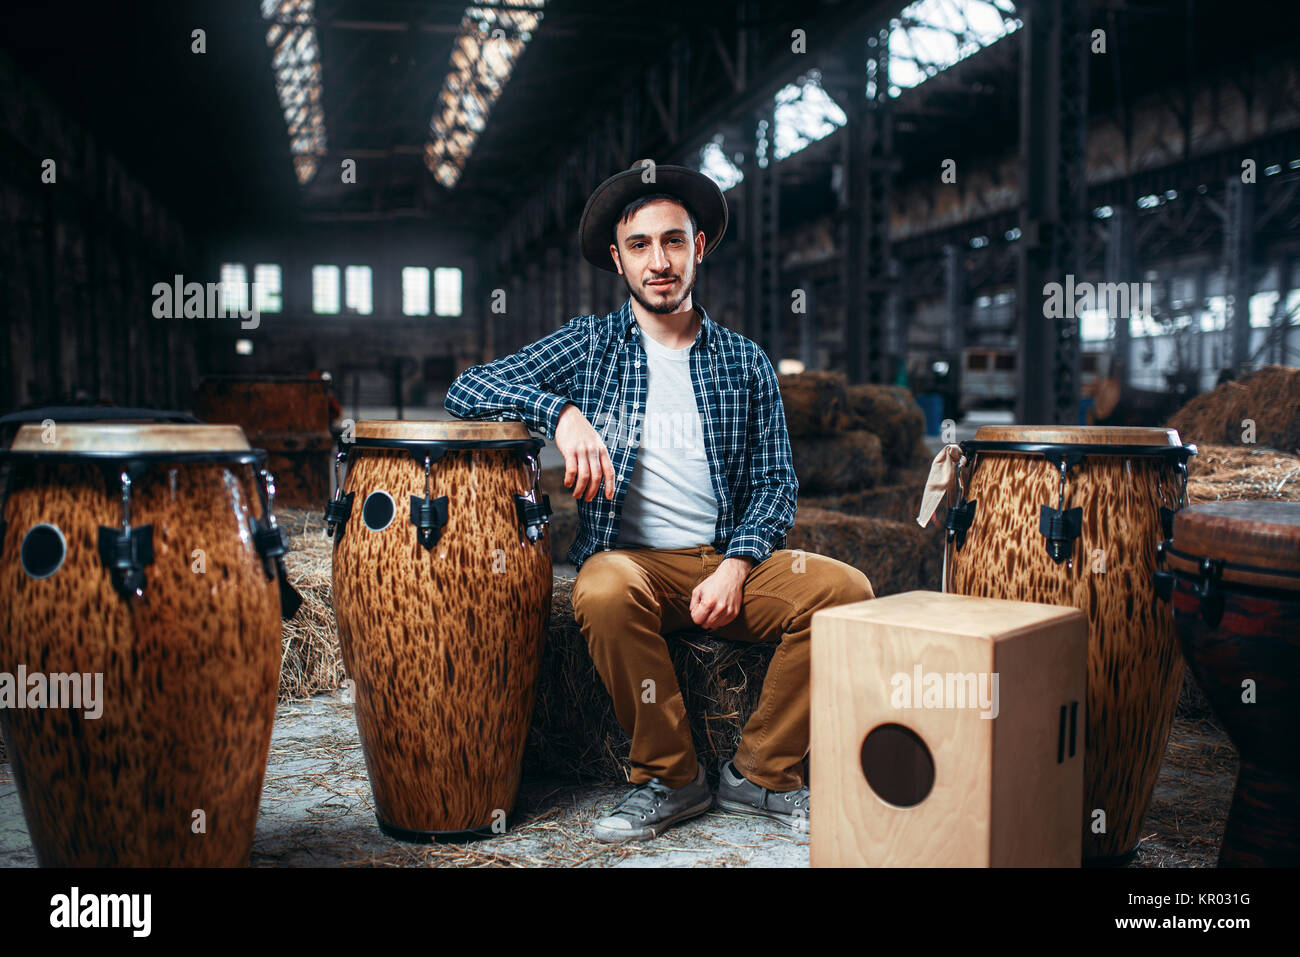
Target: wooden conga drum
[
  {"x": 142, "y": 558},
  {"x": 442, "y": 591},
  {"x": 1074, "y": 516},
  {"x": 1233, "y": 578}
]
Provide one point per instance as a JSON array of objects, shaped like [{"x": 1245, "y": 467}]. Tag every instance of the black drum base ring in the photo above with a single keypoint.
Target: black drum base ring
[{"x": 409, "y": 836}]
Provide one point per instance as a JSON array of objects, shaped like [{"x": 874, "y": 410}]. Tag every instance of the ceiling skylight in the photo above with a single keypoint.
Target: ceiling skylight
[
  {"x": 295, "y": 59},
  {"x": 490, "y": 42}
]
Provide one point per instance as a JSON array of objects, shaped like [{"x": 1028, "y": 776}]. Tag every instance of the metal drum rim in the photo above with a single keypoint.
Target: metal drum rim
[{"x": 1180, "y": 453}]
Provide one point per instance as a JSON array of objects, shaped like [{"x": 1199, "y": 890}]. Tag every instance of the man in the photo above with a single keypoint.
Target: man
[{"x": 693, "y": 461}]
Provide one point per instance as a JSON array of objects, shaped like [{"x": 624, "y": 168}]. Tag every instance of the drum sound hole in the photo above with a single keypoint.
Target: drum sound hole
[
  {"x": 378, "y": 511},
  {"x": 43, "y": 551},
  {"x": 897, "y": 765}
]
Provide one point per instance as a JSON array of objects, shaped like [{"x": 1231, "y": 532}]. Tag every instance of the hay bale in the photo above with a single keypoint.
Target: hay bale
[
  {"x": 898, "y": 499},
  {"x": 895, "y": 556},
  {"x": 815, "y": 403},
  {"x": 312, "y": 660},
  {"x": 575, "y": 734},
  {"x": 890, "y": 412},
  {"x": 1269, "y": 396},
  {"x": 1221, "y": 473},
  {"x": 851, "y": 460}
]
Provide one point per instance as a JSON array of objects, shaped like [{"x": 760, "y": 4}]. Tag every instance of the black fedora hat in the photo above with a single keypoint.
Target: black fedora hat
[{"x": 701, "y": 195}]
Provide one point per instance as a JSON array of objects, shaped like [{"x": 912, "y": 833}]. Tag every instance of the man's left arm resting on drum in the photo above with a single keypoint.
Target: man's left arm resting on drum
[{"x": 530, "y": 384}]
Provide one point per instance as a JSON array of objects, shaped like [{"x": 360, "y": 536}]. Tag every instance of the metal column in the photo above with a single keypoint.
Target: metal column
[
  {"x": 808, "y": 327},
  {"x": 1053, "y": 136},
  {"x": 954, "y": 269},
  {"x": 1121, "y": 267},
  {"x": 1277, "y": 352},
  {"x": 869, "y": 163},
  {"x": 1238, "y": 230},
  {"x": 764, "y": 301}
]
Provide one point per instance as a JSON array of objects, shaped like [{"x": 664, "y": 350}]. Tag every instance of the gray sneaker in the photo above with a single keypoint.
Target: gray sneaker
[
  {"x": 737, "y": 793},
  {"x": 651, "y": 808}
]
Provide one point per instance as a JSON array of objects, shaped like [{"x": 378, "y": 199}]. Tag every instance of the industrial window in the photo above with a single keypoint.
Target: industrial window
[
  {"x": 415, "y": 291},
  {"x": 234, "y": 288},
  {"x": 357, "y": 290},
  {"x": 929, "y": 36},
  {"x": 976, "y": 361},
  {"x": 325, "y": 289},
  {"x": 296, "y": 63},
  {"x": 1004, "y": 361},
  {"x": 446, "y": 291},
  {"x": 491, "y": 41},
  {"x": 266, "y": 287}
]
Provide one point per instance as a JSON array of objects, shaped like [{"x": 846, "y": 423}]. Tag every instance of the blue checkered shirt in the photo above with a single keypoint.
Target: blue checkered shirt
[{"x": 599, "y": 364}]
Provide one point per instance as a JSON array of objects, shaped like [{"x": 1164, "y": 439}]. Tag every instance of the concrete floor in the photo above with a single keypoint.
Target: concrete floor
[{"x": 316, "y": 811}]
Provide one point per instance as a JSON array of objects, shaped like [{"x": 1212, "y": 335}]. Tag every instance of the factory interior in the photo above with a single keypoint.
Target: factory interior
[{"x": 1027, "y": 274}]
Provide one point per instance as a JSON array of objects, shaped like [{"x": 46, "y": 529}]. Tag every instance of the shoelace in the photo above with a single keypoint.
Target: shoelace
[
  {"x": 800, "y": 801},
  {"x": 643, "y": 799}
]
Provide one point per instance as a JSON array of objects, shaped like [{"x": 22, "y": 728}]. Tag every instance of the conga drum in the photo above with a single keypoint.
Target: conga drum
[
  {"x": 442, "y": 609},
  {"x": 1074, "y": 516},
  {"x": 1233, "y": 578},
  {"x": 140, "y": 640}
]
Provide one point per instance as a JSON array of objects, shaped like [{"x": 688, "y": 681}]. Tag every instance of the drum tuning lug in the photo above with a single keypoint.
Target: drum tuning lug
[
  {"x": 269, "y": 538},
  {"x": 533, "y": 516},
  {"x": 339, "y": 508},
  {"x": 1167, "y": 522},
  {"x": 1208, "y": 591},
  {"x": 960, "y": 518},
  {"x": 125, "y": 553},
  {"x": 1163, "y": 583},
  {"x": 337, "y": 512},
  {"x": 268, "y": 485},
  {"x": 428, "y": 515},
  {"x": 1059, "y": 528}
]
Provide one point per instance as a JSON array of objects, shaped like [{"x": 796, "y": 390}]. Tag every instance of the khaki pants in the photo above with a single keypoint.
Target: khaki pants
[{"x": 626, "y": 599}]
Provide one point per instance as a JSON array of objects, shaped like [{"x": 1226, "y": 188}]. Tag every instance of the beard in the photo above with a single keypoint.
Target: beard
[{"x": 664, "y": 307}]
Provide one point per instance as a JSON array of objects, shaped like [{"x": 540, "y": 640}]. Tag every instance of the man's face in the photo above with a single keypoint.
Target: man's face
[{"x": 656, "y": 255}]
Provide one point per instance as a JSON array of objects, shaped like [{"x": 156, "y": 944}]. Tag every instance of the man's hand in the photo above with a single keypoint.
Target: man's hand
[
  {"x": 716, "y": 600},
  {"x": 586, "y": 460}
]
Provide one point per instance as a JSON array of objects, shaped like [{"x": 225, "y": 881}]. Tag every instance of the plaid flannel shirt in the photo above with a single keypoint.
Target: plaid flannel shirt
[{"x": 599, "y": 364}]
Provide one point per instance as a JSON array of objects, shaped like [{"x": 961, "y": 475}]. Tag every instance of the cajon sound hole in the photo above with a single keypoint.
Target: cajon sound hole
[{"x": 898, "y": 765}]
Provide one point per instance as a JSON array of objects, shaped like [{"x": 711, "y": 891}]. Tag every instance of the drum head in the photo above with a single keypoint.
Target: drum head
[
  {"x": 1258, "y": 542},
  {"x": 445, "y": 431},
  {"x": 147, "y": 438},
  {"x": 1078, "y": 435}
]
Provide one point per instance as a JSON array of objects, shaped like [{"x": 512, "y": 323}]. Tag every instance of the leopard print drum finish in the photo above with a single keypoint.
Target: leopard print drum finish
[
  {"x": 442, "y": 628},
  {"x": 170, "y": 771},
  {"x": 1107, "y": 553}
]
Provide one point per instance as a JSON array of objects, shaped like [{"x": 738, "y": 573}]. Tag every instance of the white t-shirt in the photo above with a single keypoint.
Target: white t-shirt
[{"x": 669, "y": 501}]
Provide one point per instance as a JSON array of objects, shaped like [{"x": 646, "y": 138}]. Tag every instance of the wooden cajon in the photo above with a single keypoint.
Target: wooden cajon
[{"x": 904, "y": 770}]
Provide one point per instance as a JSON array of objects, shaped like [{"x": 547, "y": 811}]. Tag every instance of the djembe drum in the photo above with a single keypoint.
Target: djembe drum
[
  {"x": 1233, "y": 579},
  {"x": 1073, "y": 516},
  {"x": 442, "y": 613},
  {"x": 138, "y": 569}
]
